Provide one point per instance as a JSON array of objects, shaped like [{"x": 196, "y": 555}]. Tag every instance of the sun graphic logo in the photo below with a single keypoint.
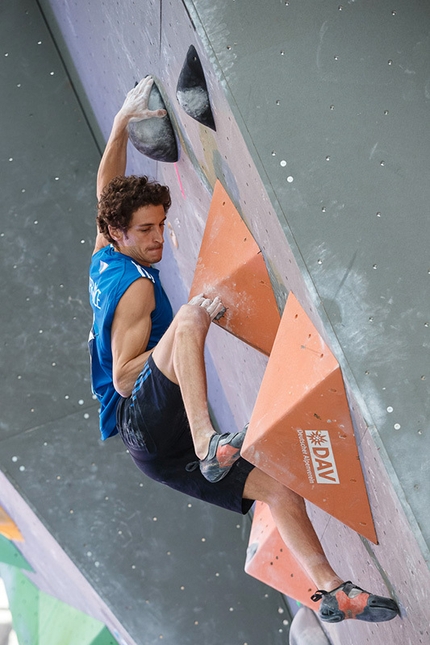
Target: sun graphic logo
[
  {"x": 322, "y": 456},
  {"x": 316, "y": 437}
]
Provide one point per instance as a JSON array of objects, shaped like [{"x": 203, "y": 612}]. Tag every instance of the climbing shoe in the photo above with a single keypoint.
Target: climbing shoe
[
  {"x": 224, "y": 451},
  {"x": 349, "y": 601}
]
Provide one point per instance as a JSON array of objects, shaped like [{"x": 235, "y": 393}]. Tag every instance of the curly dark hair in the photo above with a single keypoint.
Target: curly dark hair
[{"x": 123, "y": 196}]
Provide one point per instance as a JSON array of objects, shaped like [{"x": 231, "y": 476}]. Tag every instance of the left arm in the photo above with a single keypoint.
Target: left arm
[{"x": 131, "y": 329}]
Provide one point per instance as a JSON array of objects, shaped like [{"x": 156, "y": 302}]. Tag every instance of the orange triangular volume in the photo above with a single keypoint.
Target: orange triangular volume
[
  {"x": 8, "y": 528},
  {"x": 269, "y": 560},
  {"x": 231, "y": 265},
  {"x": 301, "y": 431}
]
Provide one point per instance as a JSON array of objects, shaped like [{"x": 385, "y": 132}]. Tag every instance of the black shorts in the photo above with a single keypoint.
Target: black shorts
[{"x": 154, "y": 427}]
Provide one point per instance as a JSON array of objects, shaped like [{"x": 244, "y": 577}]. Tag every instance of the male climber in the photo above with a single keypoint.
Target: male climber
[{"x": 148, "y": 372}]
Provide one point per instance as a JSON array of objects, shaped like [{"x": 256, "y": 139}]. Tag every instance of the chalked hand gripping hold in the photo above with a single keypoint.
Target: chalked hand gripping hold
[{"x": 152, "y": 132}]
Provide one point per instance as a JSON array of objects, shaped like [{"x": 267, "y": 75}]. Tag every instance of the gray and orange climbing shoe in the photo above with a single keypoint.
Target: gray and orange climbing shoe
[
  {"x": 350, "y": 601},
  {"x": 224, "y": 451}
]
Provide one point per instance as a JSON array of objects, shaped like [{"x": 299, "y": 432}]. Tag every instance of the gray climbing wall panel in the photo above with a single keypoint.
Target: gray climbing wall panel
[
  {"x": 334, "y": 100},
  {"x": 148, "y": 562}
]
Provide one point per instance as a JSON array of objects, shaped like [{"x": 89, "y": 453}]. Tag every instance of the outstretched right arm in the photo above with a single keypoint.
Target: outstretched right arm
[
  {"x": 112, "y": 164},
  {"x": 114, "y": 159},
  {"x": 134, "y": 108}
]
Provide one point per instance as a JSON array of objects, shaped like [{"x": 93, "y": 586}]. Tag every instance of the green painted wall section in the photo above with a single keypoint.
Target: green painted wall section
[
  {"x": 40, "y": 619},
  {"x": 9, "y": 554}
]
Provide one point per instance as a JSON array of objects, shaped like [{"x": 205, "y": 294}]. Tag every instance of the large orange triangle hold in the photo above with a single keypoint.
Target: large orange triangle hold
[
  {"x": 301, "y": 431},
  {"x": 269, "y": 560},
  {"x": 230, "y": 265}
]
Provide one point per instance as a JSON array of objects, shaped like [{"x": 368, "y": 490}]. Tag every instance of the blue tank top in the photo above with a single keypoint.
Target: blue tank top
[{"x": 111, "y": 273}]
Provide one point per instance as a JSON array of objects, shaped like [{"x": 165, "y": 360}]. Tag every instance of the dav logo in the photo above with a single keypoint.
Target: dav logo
[{"x": 322, "y": 456}]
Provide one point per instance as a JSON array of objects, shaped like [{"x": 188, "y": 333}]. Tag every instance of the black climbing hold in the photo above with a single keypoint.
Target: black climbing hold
[
  {"x": 192, "y": 92},
  {"x": 155, "y": 138}
]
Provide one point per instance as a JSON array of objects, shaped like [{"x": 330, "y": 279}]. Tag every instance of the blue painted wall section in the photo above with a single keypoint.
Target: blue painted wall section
[{"x": 321, "y": 141}]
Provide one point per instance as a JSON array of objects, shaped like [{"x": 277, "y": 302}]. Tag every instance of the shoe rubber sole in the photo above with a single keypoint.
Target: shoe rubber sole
[
  {"x": 224, "y": 451},
  {"x": 351, "y": 602}
]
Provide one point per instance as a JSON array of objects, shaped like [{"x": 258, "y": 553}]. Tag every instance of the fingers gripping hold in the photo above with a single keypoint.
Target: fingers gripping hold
[
  {"x": 135, "y": 105},
  {"x": 197, "y": 300},
  {"x": 214, "y": 308}
]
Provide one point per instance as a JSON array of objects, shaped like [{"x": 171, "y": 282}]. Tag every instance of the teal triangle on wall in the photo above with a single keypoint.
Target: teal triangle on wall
[
  {"x": 40, "y": 619},
  {"x": 10, "y": 554}
]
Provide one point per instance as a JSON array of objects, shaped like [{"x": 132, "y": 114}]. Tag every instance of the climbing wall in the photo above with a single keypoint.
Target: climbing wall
[
  {"x": 320, "y": 143},
  {"x": 97, "y": 537}
]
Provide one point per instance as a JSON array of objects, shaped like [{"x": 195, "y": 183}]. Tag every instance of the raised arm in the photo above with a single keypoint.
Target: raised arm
[
  {"x": 114, "y": 160},
  {"x": 134, "y": 108}
]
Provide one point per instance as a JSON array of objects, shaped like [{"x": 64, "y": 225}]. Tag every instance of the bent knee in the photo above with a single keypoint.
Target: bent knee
[
  {"x": 263, "y": 487},
  {"x": 192, "y": 318}
]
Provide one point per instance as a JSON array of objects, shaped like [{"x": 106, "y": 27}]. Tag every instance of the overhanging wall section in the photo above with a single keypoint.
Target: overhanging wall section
[
  {"x": 99, "y": 535},
  {"x": 333, "y": 100},
  {"x": 258, "y": 60}
]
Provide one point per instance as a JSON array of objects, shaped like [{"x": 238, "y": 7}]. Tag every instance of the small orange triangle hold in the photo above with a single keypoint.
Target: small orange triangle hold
[
  {"x": 270, "y": 561},
  {"x": 230, "y": 265},
  {"x": 301, "y": 431},
  {"x": 8, "y": 528}
]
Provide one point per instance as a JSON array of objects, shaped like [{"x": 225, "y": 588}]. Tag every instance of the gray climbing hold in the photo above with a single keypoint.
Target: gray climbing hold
[
  {"x": 306, "y": 629},
  {"x": 192, "y": 92},
  {"x": 251, "y": 551},
  {"x": 155, "y": 138},
  {"x": 220, "y": 314}
]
